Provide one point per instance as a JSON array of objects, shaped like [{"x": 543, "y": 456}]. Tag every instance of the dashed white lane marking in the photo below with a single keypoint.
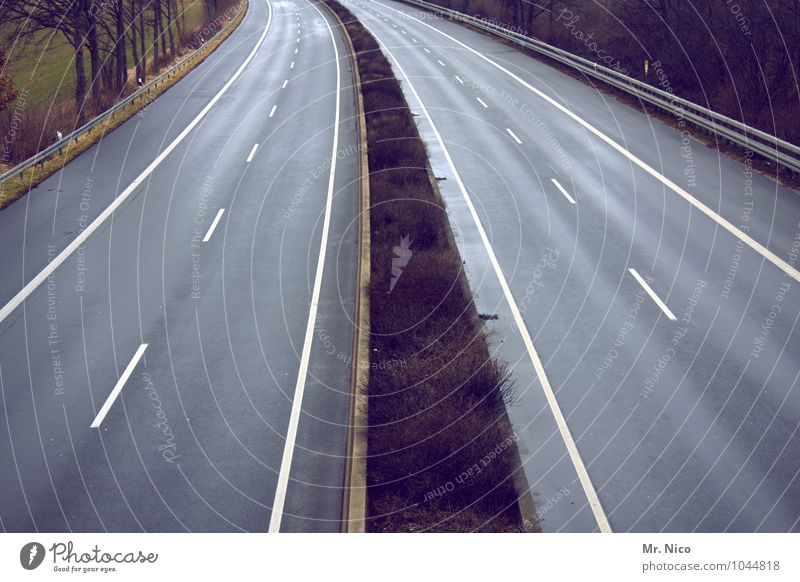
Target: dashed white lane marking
[
  {"x": 292, "y": 65},
  {"x": 296, "y": 50},
  {"x": 404, "y": 32},
  {"x": 482, "y": 102},
  {"x": 653, "y": 295},
  {"x": 252, "y": 153},
  {"x": 413, "y": 39},
  {"x": 81, "y": 239},
  {"x": 427, "y": 51},
  {"x": 274, "y": 108},
  {"x": 514, "y": 135},
  {"x": 98, "y": 420},
  {"x": 297, "y": 400},
  {"x": 563, "y": 191},
  {"x": 544, "y": 381},
  {"x": 441, "y": 63},
  {"x": 214, "y": 224},
  {"x": 286, "y": 82},
  {"x": 459, "y": 79}
]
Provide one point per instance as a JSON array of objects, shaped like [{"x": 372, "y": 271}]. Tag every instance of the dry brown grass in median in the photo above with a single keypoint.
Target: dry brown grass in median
[{"x": 441, "y": 451}]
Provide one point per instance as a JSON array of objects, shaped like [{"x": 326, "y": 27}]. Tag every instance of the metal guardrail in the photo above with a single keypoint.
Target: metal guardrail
[
  {"x": 40, "y": 157},
  {"x": 782, "y": 152}
]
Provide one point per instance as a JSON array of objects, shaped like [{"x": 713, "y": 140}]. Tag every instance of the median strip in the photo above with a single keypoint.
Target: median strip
[{"x": 440, "y": 453}]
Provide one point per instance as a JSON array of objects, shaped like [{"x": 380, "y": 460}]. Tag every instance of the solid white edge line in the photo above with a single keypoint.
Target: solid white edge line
[
  {"x": 739, "y": 234},
  {"x": 213, "y": 225},
  {"x": 274, "y": 108},
  {"x": 98, "y": 420},
  {"x": 563, "y": 191},
  {"x": 552, "y": 401},
  {"x": 79, "y": 240},
  {"x": 297, "y": 401},
  {"x": 252, "y": 153},
  {"x": 514, "y": 135},
  {"x": 653, "y": 296},
  {"x": 482, "y": 102}
]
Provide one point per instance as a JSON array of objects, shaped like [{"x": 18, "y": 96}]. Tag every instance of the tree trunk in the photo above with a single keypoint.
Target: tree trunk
[
  {"x": 142, "y": 46},
  {"x": 169, "y": 28},
  {"x": 156, "y": 33},
  {"x": 80, "y": 74},
  {"x": 94, "y": 57},
  {"x": 120, "y": 48},
  {"x": 181, "y": 17},
  {"x": 133, "y": 40},
  {"x": 162, "y": 35}
]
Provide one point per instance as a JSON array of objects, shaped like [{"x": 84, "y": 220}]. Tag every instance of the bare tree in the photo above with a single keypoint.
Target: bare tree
[
  {"x": 169, "y": 28},
  {"x": 26, "y": 18},
  {"x": 7, "y": 92}
]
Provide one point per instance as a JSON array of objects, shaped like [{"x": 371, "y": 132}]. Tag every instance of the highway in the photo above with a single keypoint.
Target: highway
[
  {"x": 645, "y": 286},
  {"x": 177, "y": 302},
  {"x": 176, "y": 336}
]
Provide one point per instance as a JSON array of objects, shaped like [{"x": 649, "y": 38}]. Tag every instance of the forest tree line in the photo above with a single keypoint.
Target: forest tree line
[{"x": 116, "y": 45}]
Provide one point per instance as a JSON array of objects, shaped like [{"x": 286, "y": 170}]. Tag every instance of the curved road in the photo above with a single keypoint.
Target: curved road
[
  {"x": 653, "y": 344},
  {"x": 186, "y": 367},
  {"x": 185, "y": 364}
]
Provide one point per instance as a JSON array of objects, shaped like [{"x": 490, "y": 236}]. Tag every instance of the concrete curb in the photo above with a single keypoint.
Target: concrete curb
[
  {"x": 354, "y": 501},
  {"x": 525, "y": 503}
]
